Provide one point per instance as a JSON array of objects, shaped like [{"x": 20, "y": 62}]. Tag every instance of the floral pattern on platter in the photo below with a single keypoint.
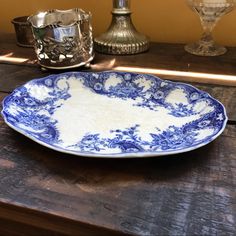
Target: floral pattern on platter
[{"x": 194, "y": 117}]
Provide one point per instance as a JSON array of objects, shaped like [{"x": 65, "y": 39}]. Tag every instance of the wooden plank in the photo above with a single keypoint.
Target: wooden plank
[
  {"x": 185, "y": 194},
  {"x": 17, "y": 220},
  {"x": 9, "y": 49},
  {"x": 9, "y": 227},
  {"x": 160, "y": 55},
  {"x": 168, "y": 57},
  {"x": 12, "y": 76}
]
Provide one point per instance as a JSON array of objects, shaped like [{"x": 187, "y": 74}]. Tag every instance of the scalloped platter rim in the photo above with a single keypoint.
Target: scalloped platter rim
[{"x": 114, "y": 114}]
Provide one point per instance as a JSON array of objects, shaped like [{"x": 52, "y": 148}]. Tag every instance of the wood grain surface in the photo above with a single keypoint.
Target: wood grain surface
[
  {"x": 44, "y": 192},
  {"x": 162, "y": 56},
  {"x": 177, "y": 195}
]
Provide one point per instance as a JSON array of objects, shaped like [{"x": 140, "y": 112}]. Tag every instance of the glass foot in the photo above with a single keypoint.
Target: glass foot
[{"x": 205, "y": 49}]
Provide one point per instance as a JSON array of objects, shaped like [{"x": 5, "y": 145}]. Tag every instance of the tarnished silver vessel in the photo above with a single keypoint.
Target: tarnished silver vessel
[
  {"x": 121, "y": 37},
  {"x": 63, "y": 39},
  {"x": 23, "y": 31}
]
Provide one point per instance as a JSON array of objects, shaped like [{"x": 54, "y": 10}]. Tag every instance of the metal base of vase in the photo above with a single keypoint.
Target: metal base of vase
[
  {"x": 121, "y": 38},
  {"x": 86, "y": 64},
  {"x": 120, "y": 49}
]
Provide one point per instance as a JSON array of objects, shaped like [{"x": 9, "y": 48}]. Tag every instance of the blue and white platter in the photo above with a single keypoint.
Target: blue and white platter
[{"x": 114, "y": 114}]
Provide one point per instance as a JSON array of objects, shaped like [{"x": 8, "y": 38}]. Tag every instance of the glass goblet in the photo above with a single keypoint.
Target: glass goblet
[{"x": 209, "y": 11}]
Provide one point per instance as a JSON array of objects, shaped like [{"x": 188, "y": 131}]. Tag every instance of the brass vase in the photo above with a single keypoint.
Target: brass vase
[{"x": 121, "y": 37}]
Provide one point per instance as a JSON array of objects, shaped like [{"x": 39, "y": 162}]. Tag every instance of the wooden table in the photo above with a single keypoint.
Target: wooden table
[{"x": 44, "y": 192}]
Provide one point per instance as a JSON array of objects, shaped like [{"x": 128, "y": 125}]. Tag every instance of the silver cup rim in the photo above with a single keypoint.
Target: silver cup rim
[
  {"x": 20, "y": 20},
  {"x": 86, "y": 15}
]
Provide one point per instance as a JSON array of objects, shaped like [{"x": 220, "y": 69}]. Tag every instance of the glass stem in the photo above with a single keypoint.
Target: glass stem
[
  {"x": 207, "y": 35},
  {"x": 207, "y": 38}
]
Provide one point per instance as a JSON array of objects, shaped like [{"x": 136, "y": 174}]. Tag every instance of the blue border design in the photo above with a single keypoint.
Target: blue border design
[{"x": 32, "y": 117}]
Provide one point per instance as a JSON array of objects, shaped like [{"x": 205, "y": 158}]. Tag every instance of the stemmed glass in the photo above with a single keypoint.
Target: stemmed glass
[{"x": 209, "y": 11}]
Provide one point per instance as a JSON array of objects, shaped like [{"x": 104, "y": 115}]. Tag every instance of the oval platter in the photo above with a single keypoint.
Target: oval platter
[{"x": 114, "y": 114}]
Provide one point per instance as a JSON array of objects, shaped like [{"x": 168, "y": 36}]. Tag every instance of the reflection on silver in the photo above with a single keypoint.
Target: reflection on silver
[{"x": 63, "y": 39}]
